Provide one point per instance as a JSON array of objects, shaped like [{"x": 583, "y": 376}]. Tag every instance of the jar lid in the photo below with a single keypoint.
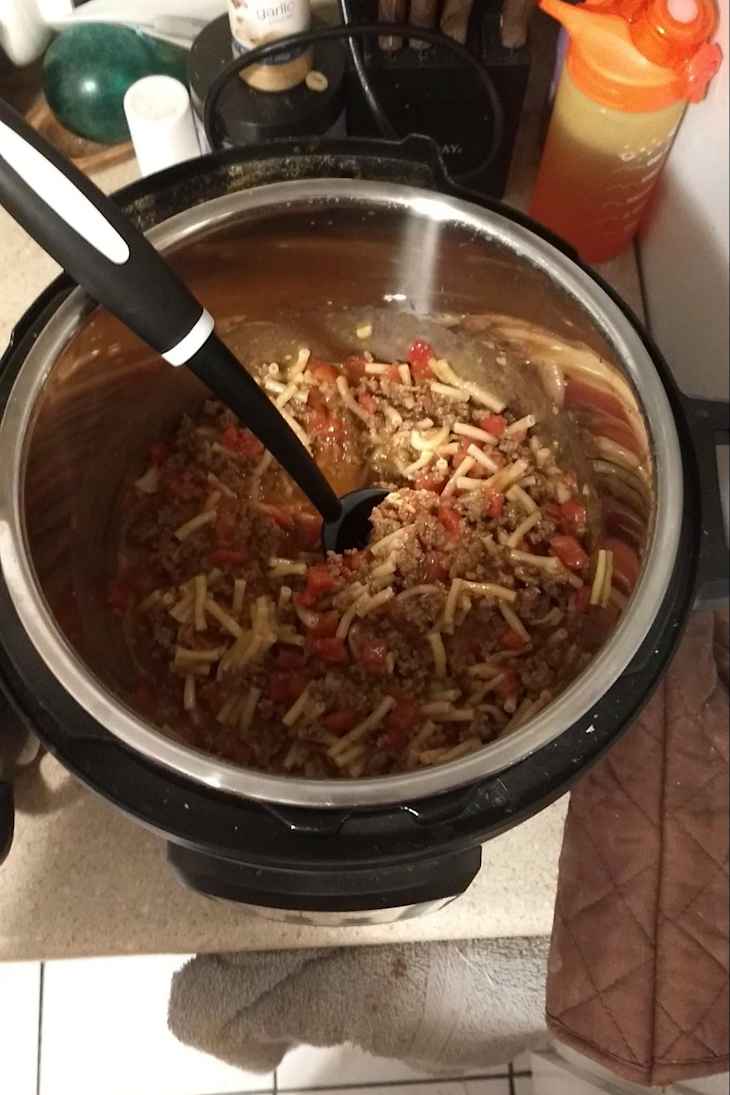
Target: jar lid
[{"x": 246, "y": 116}]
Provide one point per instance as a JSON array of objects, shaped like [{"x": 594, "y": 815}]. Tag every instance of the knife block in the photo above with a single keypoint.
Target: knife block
[{"x": 431, "y": 92}]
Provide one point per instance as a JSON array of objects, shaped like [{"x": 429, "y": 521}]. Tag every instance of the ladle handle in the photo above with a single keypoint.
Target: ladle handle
[{"x": 93, "y": 239}]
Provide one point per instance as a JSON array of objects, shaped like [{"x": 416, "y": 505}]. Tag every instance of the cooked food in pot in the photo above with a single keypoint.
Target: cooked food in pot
[{"x": 486, "y": 587}]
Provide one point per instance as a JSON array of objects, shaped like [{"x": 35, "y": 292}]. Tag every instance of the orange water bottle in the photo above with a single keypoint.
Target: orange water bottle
[{"x": 631, "y": 68}]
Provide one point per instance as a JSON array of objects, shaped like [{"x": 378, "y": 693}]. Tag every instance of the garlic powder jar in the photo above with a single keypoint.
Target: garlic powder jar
[{"x": 255, "y": 22}]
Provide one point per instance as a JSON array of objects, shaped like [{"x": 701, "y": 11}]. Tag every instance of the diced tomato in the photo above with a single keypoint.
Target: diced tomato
[
  {"x": 230, "y": 438},
  {"x": 508, "y": 685},
  {"x": 403, "y": 716},
  {"x": 227, "y": 557},
  {"x": 323, "y": 424},
  {"x": 326, "y": 624},
  {"x": 158, "y": 453},
  {"x": 330, "y": 649},
  {"x": 371, "y": 655},
  {"x": 495, "y": 503},
  {"x": 492, "y": 423},
  {"x": 450, "y": 521},
  {"x": 339, "y": 722},
  {"x": 400, "y": 721},
  {"x": 241, "y": 441},
  {"x": 581, "y": 599},
  {"x": 429, "y": 482},
  {"x": 119, "y": 596},
  {"x": 289, "y": 658},
  {"x": 511, "y": 640},
  {"x": 392, "y": 373},
  {"x": 367, "y": 402},
  {"x": 354, "y": 368},
  {"x": 419, "y": 357},
  {"x": 309, "y": 528},
  {"x": 319, "y": 581},
  {"x": 284, "y": 518},
  {"x": 286, "y": 687},
  {"x": 354, "y": 560},
  {"x": 435, "y": 568},
  {"x": 322, "y": 372},
  {"x": 626, "y": 565},
  {"x": 569, "y": 551},
  {"x": 573, "y": 517}
]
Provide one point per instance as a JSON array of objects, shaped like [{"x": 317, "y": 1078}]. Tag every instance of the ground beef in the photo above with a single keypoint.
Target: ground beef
[{"x": 275, "y": 674}]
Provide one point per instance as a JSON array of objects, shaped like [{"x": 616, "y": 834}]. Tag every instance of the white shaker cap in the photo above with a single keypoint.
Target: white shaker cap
[{"x": 160, "y": 119}]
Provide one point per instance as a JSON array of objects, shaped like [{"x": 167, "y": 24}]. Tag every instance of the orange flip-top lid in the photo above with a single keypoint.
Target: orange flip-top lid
[{"x": 640, "y": 55}]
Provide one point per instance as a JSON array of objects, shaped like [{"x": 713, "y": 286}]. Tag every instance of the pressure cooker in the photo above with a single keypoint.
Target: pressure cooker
[{"x": 305, "y": 229}]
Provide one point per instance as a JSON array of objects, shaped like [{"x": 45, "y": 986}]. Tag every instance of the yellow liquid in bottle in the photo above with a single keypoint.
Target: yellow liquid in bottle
[{"x": 598, "y": 169}]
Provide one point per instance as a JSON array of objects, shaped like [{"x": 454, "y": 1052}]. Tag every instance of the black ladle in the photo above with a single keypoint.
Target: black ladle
[{"x": 94, "y": 240}]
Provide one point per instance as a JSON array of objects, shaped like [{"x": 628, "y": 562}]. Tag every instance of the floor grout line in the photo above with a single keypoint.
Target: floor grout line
[
  {"x": 511, "y": 1078},
  {"x": 369, "y": 1086},
  {"x": 40, "y": 1029}
]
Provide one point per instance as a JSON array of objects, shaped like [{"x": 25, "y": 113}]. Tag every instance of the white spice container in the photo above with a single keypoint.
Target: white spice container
[{"x": 255, "y": 22}]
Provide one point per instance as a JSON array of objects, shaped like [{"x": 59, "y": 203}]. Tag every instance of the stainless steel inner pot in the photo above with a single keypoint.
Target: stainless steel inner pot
[{"x": 90, "y": 396}]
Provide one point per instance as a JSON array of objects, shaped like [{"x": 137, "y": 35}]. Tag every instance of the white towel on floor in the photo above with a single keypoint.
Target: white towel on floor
[{"x": 438, "y": 1007}]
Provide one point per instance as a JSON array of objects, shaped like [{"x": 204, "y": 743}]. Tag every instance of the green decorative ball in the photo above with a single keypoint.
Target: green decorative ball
[{"x": 88, "y": 69}]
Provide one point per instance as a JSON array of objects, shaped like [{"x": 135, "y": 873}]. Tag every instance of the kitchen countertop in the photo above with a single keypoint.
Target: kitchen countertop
[{"x": 83, "y": 879}]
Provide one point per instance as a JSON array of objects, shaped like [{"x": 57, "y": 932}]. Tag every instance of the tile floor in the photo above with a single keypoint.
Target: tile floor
[{"x": 98, "y": 1027}]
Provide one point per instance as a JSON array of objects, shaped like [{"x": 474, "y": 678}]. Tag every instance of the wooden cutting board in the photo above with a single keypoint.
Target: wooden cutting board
[{"x": 23, "y": 89}]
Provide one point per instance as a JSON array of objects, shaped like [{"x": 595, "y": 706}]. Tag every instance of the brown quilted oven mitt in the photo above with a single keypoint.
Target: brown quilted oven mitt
[{"x": 638, "y": 971}]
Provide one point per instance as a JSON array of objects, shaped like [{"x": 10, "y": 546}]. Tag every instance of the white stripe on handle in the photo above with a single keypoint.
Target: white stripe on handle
[
  {"x": 199, "y": 333},
  {"x": 61, "y": 195}
]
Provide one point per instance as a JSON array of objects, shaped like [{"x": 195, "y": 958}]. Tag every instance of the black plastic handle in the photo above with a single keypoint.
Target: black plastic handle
[
  {"x": 709, "y": 423},
  {"x": 90, "y": 236}
]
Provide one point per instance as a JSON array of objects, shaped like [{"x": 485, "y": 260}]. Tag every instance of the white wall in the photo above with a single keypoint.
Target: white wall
[{"x": 683, "y": 249}]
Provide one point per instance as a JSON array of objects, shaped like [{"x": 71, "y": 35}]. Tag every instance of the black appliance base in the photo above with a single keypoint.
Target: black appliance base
[{"x": 319, "y": 890}]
